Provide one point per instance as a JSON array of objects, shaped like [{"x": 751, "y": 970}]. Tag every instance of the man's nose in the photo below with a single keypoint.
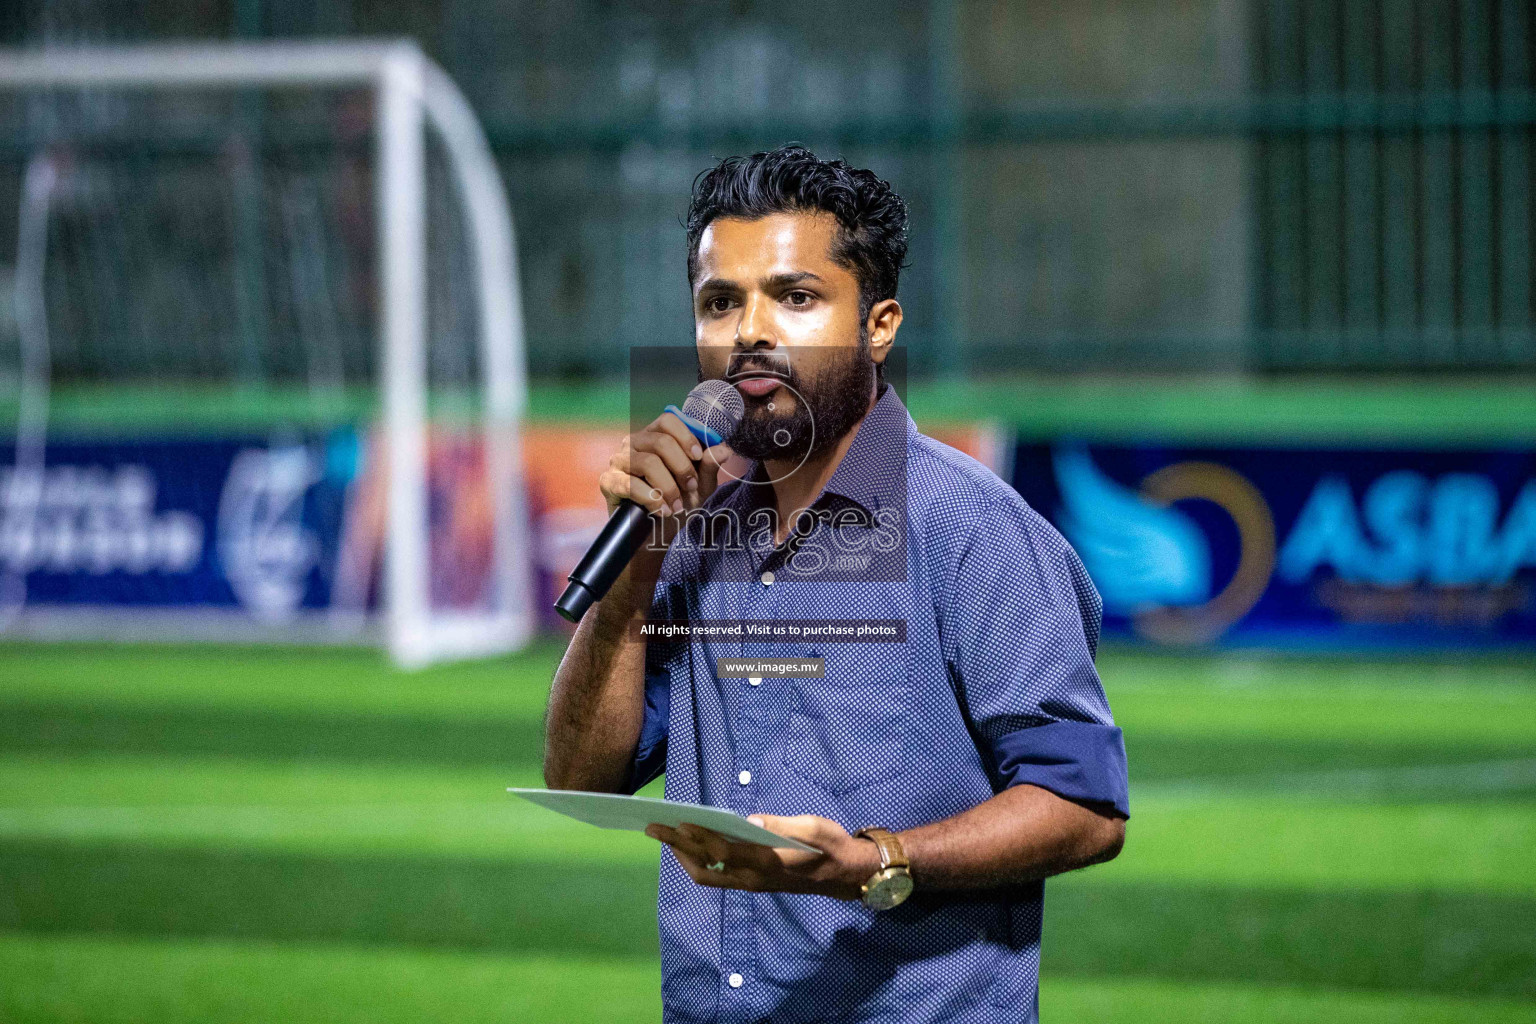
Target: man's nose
[{"x": 754, "y": 330}]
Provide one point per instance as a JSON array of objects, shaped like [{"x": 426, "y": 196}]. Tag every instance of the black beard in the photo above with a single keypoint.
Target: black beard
[{"x": 834, "y": 402}]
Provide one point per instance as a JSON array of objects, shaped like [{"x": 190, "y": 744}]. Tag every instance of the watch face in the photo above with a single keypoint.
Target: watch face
[{"x": 887, "y": 891}]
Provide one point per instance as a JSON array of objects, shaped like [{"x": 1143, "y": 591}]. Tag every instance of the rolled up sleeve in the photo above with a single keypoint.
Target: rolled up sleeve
[
  {"x": 1020, "y": 629},
  {"x": 662, "y": 658},
  {"x": 651, "y": 752}
]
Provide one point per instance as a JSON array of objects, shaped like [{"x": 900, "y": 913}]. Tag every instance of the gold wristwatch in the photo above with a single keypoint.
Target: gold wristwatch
[{"x": 892, "y": 884}]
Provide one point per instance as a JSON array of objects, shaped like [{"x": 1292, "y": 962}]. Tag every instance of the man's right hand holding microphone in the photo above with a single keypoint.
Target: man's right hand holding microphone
[{"x": 664, "y": 470}]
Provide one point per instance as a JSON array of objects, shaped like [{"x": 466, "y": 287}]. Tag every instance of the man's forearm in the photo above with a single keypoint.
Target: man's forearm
[
  {"x": 1022, "y": 834},
  {"x": 597, "y": 700}
]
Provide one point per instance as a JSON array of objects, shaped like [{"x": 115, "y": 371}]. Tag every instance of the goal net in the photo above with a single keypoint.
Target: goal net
[{"x": 261, "y": 352}]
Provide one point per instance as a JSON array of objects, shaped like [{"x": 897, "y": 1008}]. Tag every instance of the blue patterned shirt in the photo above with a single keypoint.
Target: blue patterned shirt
[{"x": 993, "y": 686}]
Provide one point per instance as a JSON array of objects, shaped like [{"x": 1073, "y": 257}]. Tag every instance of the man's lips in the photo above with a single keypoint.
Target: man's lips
[{"x": 757, "y": 387}]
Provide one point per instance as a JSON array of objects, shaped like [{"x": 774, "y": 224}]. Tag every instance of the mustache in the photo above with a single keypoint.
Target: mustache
[{"x": 758, "y": 364}]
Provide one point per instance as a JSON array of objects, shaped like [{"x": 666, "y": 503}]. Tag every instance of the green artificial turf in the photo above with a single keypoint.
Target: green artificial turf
[
  {"x": 223, "y": 834},
  {"x": 1112, "y": 1000},
  {"x": 104, "y": 978}
]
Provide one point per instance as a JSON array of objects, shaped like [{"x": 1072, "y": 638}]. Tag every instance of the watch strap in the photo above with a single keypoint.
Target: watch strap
[{"x": 891, "y": 853}]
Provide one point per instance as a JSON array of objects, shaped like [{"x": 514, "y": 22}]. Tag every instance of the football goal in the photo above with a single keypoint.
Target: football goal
[{"x": 261, "y": 352}]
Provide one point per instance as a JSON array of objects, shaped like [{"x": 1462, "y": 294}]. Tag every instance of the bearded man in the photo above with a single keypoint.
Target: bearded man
[{"x": 940, "y": 772}]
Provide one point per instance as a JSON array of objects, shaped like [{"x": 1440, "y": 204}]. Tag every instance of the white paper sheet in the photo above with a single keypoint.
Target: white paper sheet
[{"x": 612, "y": 810}]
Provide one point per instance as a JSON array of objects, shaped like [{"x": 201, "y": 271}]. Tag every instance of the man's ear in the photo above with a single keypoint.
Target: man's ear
[{"x": 883, "y": 323}]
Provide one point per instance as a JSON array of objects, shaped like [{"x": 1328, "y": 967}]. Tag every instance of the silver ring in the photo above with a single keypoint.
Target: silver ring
[{"x": 718, "y": 865}]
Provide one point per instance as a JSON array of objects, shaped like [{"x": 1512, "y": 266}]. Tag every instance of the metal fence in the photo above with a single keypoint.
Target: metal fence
[
  {"x": 1108, "y": 186},
  {"x": 1399, "y": 234}
]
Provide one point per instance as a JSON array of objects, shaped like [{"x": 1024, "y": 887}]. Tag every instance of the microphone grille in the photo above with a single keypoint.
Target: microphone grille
[{"x": 717, "y": 405}]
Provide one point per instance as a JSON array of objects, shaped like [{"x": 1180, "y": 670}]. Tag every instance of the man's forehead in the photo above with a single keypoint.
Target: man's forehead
[{"x": 735, "y": 247}]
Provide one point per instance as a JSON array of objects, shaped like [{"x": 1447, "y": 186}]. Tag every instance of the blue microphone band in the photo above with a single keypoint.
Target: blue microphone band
[{"x": 708, "y": 438}]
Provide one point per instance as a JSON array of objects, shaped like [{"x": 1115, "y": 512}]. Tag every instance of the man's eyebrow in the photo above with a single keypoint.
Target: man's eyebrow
[
  {"x": 794, "y": 277},
  {"x": 784, "y": 280},
  {"x": 717, "y": 284}
]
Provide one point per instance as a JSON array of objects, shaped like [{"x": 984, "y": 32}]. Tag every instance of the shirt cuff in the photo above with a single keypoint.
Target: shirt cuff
[{"x": 1081, "y": 761}]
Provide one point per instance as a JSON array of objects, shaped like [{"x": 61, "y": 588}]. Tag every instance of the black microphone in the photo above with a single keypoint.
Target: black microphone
[{"x": 711, "y": 412}]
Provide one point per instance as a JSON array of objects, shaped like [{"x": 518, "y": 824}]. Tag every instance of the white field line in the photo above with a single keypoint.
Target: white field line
[
  {"x": 456, "y": 820},
  {"x": 233, "y": 821},
  {"x": 1476, "y": 777}
]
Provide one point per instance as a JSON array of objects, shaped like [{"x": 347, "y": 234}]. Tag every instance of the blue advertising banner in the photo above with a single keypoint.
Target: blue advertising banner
[
  {"x": 169, "y": 537},
  {"x": 1270, "y": 546},
  {"x": 238, "y": 524}
]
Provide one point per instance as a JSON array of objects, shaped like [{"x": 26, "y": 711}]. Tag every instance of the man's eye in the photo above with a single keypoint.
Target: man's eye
[
  {"x": 719, "y": 304},
  {"x": 799, "y": 298}
]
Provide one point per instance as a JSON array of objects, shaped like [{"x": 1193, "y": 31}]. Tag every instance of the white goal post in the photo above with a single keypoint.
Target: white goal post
[{"x": 413, "y": 97}]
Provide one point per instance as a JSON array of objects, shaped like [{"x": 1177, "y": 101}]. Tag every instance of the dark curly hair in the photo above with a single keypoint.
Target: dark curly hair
[{"x": 872, "y": 237}]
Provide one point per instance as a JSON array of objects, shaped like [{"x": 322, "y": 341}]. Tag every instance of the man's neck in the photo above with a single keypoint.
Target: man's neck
[{"x": 798, "y": 488}]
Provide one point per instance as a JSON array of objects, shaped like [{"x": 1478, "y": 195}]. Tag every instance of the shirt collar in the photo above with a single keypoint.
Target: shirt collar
[{"x": 873, "y": 471}]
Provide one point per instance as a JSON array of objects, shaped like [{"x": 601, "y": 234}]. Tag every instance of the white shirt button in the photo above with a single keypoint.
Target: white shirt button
[
  {"x": 744, "y": 778},
  {"x": 754, "y": 680},
  {"x": 768, "y": 578},
  {"x": 734, "y": 981}
]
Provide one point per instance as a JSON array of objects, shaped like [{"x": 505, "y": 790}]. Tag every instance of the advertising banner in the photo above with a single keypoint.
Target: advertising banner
[
  {"x": 1263, "y": 546},
  {"x": 176, "y": 536},
  {"x": 1272, "y": 546},
  {"x": 213, "y": 523}
]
